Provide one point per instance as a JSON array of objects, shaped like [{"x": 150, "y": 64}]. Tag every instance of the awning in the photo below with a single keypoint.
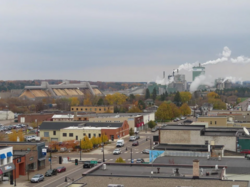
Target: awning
[
  {"x": 9, "y": 154},
  {"x": 41, "y": 159},
  {"x": 2, "y": 156},
  {"x": 1, "y": 172}
]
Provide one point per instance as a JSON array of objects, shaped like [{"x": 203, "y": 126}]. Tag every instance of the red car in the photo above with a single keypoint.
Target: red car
[
  {"x": 61, "y": 169},
  {"x": 135, "y": 143},
  {"x": 245, "y": 151}
]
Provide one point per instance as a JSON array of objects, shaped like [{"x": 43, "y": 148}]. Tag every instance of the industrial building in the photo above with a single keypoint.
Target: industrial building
[
  {"x": 221, "y": 84},
  {"x": 65, "y": 89},
  {"x": 96, "y": 109},
  {"x": 197, "y": 71}
]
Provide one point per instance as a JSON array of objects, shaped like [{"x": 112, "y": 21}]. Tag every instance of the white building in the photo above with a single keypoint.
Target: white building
[
  {"x": 58, "y": 117},
  {"x": 6, "y": 115},
  {"x": 6, "y": 162}
]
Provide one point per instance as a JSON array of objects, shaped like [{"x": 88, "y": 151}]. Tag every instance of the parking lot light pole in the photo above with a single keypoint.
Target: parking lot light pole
[
  {"x": 150, "y": 143},
  {"x": 36, "y": 127},
  {"x": 103, "y": 152},
  {"x": 80, "y": 150}
]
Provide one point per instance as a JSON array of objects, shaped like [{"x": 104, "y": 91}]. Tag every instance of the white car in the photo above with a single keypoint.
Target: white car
[
  {"x": 182, "y": 118},
  {"x": 117, "y": 152},
  {"x": 8, "y": 132}
]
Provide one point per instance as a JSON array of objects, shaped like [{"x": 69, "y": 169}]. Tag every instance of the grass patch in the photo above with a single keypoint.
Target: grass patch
[{"x": 243, "y": 99}]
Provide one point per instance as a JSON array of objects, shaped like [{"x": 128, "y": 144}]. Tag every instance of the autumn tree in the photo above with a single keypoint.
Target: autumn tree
[
  {"x": 131, "y": 97},
  {"x": 147, "y": 94},
  {"x": 134, "y": 109},
  {"x": 151, "y": 124},
  {"x": 104, "y": 138},
  {"x": 86, "y": 144},
  {"x": 212, "y": 95},
  {"x": 116, "y": 99},
  {"x": 185, "y": 109},
  {"x": 74, "y": 101},
  {"x": 13, "y": 136},
  {"x": 87, "y": 100},
  {"x": 185, "y": 96},
  {"x": 120, "y": 160},
  {"x": 175, "y": 110},
  {"x": 164, "y": 112},
  {"x": 94, "y": 141}
]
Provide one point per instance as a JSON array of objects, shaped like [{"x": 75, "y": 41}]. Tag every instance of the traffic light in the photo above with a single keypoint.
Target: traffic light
[
  {"x": 11, "y": 180},
  {"x": 76, "y": 162},
  {"x": 60, "y": 160}
]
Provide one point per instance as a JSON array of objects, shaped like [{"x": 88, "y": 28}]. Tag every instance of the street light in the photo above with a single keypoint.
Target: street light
[
  {"x": 103, "y": 159},
  {"x": 130, "y": 153},
  {"x": 150, "y": 143},
  {"x": 80, "y": 150},
  {"x": 36, "y": 127}
]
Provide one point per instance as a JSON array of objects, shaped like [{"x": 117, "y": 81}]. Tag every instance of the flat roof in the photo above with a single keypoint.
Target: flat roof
[
  {"x": 3, "y": 147},
  {"x": 103, "y": 181},
  {"x": 89, "y": 128},
  {"x": 183, "y": 127},
  {"x": 185, "y": 147}
]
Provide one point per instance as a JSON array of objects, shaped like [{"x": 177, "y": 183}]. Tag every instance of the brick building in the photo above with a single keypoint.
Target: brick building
[
  {"x": 20, "y": 169},
  {"x": 30, "y": 118}
]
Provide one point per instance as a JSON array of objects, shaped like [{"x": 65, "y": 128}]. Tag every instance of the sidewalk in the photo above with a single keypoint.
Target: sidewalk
[{"x": 23, "y": 181}]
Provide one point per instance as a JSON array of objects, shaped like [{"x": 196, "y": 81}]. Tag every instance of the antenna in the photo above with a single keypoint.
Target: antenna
[{"x": 246, "y": 131}]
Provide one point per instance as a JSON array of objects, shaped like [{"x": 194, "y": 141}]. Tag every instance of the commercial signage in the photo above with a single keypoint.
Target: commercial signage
[
  {"x": 44, "y": 150},
  {"x": 7, "y": 167}
]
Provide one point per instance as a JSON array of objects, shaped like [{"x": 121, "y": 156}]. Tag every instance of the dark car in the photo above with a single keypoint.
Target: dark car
[
  {"x": 188, "y": 121},
  {"x": 37, "y": 178},
  {"x": 140, "y": 160},
  {"x": 50, "y": 172},
  {"x": 87, "y": 164},
  {"x": 137, "y": 137},
  {"x": 135, "y": 143},
  {"x": 61, "y": 169}
]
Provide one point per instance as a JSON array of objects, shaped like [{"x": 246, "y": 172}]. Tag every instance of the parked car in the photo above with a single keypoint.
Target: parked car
[
  {"x": 140, "y": 160},
  {"x": 117, "y": 152},
  {"x": 188, "y": 121},
  {"x": 120, "y": 143},
  {"x": 135, "y": 143},
  {"x": 132, "y": 138},
  {"x": 30, "y": 128},
  {"x": 33, "y": 138},
  {"x": 153, "y": 130},
  {"x": 23, "y": 125},
  {"x": 87, "y": 164},
  {"x": 37, "y": 178},
  {"x": 137, "y": 137},
  {"x": 145, "y": 151},
  {"x": 51, "y": 172},
  {"x": 182, "y": 118},
  {"x": 61, "y": 169},
  {"x": 63, "y": 149},
  {"x": 245, "y": 151},
  {"x": 8, "y": 132},
  {"x": 1, "y": 129}
]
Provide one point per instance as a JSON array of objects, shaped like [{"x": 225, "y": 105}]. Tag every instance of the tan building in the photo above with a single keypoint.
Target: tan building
[
  {"x": 214, "y": 121},
  {"x": 63, "y": 131},
  {"x": 197, "y": 135},
  {"x": 96, "y": 109}
]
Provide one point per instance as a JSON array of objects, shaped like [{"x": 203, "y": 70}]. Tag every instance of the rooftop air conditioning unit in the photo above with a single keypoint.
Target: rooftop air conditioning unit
[{"x": 115, "y": 185}]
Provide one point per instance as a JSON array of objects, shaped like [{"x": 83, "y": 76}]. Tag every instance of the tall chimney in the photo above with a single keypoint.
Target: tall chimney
[
  {"x": 196, "y": 169},
  {"x": 163, "y": 74}
]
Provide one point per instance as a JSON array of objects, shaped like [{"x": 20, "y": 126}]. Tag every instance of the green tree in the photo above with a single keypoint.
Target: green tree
[
  {"x": 151, "y": 124},
  {"x": 131, "y": 132},
  {"x": 147, "y": 95},
  {"x": 141, "y": 105},
  {"x": 175, "y": 110},
  {"x": 163, "y": 97},
  {"x": 100, "y": 102},
  {"x": 119, "y": 160},
  {"x": 154, "y": 94},
  {"x": 131, "y": 97},
  {"x": 177, "y": 98},
  {"x": 185, "y": 109}
]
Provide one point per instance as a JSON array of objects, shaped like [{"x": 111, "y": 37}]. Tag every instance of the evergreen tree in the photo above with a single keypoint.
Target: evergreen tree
[
  {"x": 177, "y": 98},
  {"x": 163, "y": 97},
  {"x": 100, "y": 102},
  {"x": 147, "y": 95},
  {"x": 154, "y": 94}
]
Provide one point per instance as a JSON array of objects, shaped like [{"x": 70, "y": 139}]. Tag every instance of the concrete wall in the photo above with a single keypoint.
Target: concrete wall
[
  {"x": 214, "y": 121},
  {"x": 194, "y": 137},
  {"x": 5, "y": 115},
  {"x": 51, "y": 134}
]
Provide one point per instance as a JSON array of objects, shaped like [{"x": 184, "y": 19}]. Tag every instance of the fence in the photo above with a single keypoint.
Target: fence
[{"x": 186, "y": 153}]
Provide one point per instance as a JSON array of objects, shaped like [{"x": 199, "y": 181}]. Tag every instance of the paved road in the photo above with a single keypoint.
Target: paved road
[
  {"x": 76, "y": 171},
  {"x": 244, "y": 104}
]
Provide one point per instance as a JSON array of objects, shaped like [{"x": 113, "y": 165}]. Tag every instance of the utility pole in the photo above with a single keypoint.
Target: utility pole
[
  {"x": 80, "y": 150},
  {"x": 50, "y": 159},
  {"x": 36, "y": 127}
]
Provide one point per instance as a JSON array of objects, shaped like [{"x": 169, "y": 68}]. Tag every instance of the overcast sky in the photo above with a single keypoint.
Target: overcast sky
[{"x": 120, "y": 40}]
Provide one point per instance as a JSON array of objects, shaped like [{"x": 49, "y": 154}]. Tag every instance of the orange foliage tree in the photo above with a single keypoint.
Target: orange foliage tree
[{"x": 15, "y": 134}]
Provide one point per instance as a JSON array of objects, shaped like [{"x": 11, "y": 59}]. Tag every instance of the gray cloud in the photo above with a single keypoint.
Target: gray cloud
[{"x": 138, "y": 40}]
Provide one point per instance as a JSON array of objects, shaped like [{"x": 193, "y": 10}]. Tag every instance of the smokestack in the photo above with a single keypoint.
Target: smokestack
[
  {"x": 177, "y": 70},
  {"x": 173, "y": 73},
  {"x": 200, "y": 64},
  {"x": 163, "y": 74}
]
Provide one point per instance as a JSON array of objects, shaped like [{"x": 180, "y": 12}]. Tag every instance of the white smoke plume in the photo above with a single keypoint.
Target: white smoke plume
[
  {"x": 201, "y": 80},
  {"x": 233, "y": 79},
  {"x": 164, "y": 81}
]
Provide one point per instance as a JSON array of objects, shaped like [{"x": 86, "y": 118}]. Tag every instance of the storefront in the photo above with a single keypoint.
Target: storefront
[
  {"x": 19, "y": 162},
  {"x": 6, "y": 172}
]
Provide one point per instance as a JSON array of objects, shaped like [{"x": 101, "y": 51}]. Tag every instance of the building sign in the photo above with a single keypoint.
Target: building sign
[
  {"x": 7, "y": 168},
  {"x": 18, "y": 160},
  {"x": 31, "y": 158}
]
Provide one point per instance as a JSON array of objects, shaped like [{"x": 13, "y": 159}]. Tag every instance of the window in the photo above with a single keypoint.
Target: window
[
  {"x": 84, "y": 134},
  {"x": 100, "y": 109},
  {"x": 90, "y": 109},
  {"x": 76, "y": 108},
  {"x": 72, "y": 108},
  {"x": 79, "y": 119},
  {"x": 215, "y": 122},
  {"x": 211, "y": 122},
  {"x": 64, "y": 134},
  {"x": 46, "y": 134},
  {"x": 8, "y": 159},
  {"x": 86, "y": 109},
  {"x": 54, "y": 132},
  {"x": 99, "y": 135},
  {"x": 71, "y": 134},
  {"x": 2, "y": 161},
  {"x": 95, "y": 109},
  {"x": 89, "y": 135},
  {"x": 81, "y": 108},
  {"x": 94, "y": 135},
  {"x": 104, "y": 109}
]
